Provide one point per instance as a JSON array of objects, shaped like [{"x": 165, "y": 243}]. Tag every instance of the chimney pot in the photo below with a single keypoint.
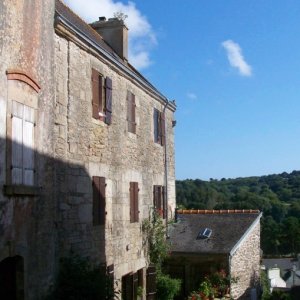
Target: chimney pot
[{"x": 102, "y": 19}]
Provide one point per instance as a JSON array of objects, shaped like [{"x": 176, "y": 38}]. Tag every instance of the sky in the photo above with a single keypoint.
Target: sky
[{"x": 233, "y": 68}]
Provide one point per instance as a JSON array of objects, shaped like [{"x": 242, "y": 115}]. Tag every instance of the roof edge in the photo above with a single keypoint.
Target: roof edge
[{"x": 216, "y": 212}]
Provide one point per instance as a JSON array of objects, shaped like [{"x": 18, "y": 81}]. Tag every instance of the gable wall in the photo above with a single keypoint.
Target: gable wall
[{"x": 245, "y": 265}]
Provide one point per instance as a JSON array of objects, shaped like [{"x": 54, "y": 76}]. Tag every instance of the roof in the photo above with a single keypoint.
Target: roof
[
  {"x": 65, "y": 16},
  {"x": 229, "y": 227},
  {"x": 284, "y": 264}
]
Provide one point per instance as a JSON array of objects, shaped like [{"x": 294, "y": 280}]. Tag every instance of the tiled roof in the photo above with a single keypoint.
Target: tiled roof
[
  {"x": 228, "y": 227},
  {"x": 214, "y": 211}
]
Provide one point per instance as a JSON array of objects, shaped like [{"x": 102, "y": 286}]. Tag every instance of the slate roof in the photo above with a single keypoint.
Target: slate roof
[
  {"x": 228, "y": 227},
  {"x": 284, "y": 264}
]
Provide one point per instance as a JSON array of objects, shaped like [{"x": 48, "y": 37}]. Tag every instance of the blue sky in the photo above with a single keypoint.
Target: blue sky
[{"x": 233, "y": 68}]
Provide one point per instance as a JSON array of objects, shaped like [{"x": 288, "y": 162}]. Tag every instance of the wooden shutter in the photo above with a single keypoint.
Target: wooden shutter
[
  {"x": 28, "y": 146},
  {"x": 156, "y": 125},
  {"x": 108, "y": 100},
  {"x": 96, "y": 93},
  {"x": 127, "y": 287},
  {"x": 162, "y": 129},
  {"x": 110, "y": 282},
  {"x": 22, "y": 144},
  {"x": 131, "y": 112},
  {"x": 99, "y": 200},
  {"x": 134, "y": 202},
  {"x": 135, "y": 280},
  {"x": 164, "y": 202},
  {"x": 151, "y": 283},
  {"x": 17, "y": 143}
]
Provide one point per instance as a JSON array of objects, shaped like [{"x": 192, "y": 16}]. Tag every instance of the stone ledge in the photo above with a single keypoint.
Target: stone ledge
[{"x": 21, "y": 190}]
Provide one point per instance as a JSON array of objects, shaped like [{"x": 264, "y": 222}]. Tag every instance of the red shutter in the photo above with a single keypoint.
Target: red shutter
[
  {"x": 96, "y": 94},
  {"x": 151, "y": 283},
  {"x": 108, "y": 100},
  {"x": 131, "y": 196},
  {"x": 102, "y": 200},
  {"x": 136, "y": 202},
  {"x": 98, "y": 200},
  {"x": 162, "y": 129},
  {"x": 127, "y": 287}
]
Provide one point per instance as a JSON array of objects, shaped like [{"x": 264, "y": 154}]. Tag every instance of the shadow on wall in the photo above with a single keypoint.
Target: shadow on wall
[
  {"x": 254, "y": 290},
  {"x": 47, "y": 208}
]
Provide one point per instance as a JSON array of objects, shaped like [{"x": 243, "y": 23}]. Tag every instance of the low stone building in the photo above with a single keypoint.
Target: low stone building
[
  {"x": 206, "y": 241},
  {"x": 88, "y": 145}
]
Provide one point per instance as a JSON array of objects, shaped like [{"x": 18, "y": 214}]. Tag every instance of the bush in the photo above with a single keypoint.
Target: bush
[
  {"x": 167, "y": 287},
  {"x": 78, "y": 280}
]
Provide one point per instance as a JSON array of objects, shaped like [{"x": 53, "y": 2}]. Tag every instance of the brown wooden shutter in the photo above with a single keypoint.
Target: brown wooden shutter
[
  {"x": 131, "y": 196},
  {"x": 108, "y": 100},
  {"x": 151, "y": 283},
  {"x": 110, "y": 282},
  {"x": 162, "y": 129},
  {"x": 99, "y": 200},
  {"x": 131, "y": 112},
  {"x": 134, "y": 202},
  {"x": 127, "y": 287},
  {"x": 156, "y": 125},
  {"x": 96, "y": 92},
  {"x": 164, "y": 202},
  {"x": 135, "y": 285}
]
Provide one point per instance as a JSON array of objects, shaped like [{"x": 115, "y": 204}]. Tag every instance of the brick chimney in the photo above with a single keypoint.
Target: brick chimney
[{"x": 115, "y": 33}]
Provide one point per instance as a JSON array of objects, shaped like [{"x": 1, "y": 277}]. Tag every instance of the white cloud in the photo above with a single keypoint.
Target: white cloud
[
  {"x": 141, "y": 35},
  {"x": 236, "y": 59},
  {"x": 192, "y": 96}
]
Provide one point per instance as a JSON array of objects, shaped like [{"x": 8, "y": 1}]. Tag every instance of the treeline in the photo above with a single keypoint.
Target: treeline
[{"x": 277, "y": 196}]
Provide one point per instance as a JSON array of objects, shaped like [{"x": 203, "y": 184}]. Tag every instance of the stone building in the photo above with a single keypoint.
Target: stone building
[
  {"x": 206, "y": 241},
  {"x": 86, "y": 148}
]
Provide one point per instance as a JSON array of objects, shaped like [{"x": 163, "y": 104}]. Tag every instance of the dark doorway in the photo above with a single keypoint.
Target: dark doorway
[{"x": 12, "y": 278}]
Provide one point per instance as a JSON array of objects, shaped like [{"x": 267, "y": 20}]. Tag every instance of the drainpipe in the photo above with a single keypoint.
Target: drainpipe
[
  {"x": 166, "y": 167},
  {"x": 229, "y": 274}
]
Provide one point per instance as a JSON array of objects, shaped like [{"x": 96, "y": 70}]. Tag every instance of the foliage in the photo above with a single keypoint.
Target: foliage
[
  {"x": 155, "y": 237},
  {"x": 158, "y": 250},
  {"x": 265, "y": 286},
  {"x": 277, "y": 196},
  {"x": 280, "y": 295},
  {"x": 78, "y": 280},
  {"x": 214, "y": 285},
  {"x": 167, "y": 287}
]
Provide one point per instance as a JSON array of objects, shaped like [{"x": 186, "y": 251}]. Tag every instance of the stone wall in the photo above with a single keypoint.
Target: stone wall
[
  {"x": 27, "y": 226},
  {"x": 108, "y": 151},
  {"x": 245, "y": 265}
]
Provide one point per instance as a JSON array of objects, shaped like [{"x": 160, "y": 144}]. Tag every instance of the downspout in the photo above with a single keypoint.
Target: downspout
[
  {"x": 166, "y": 167},
  {"x": 229, "y": 273}
]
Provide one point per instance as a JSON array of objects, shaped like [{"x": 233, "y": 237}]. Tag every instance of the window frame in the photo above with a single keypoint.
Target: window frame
[{"x": 99, "y": 200}]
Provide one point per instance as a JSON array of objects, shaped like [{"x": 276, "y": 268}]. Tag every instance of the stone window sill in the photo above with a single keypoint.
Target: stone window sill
[{"x": 21, "y": 190}]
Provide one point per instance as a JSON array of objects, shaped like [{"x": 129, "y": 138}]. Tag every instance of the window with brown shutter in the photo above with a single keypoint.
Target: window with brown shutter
[
  {"x": 98, "y": 200},
  {"x": 159, "y": 202},
  {"x": 131, "y": 112},
  {"x": 134, "y": 202},
  {"x": 127, "y": 287},
  {"x": 159, "y": 127}
]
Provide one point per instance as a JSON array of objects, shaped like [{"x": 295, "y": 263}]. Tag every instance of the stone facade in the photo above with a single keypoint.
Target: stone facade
[
  {"x": 27, "y": 229},
  {"x": 245, "y": 265},
  {"x": 48, "y": 69}
]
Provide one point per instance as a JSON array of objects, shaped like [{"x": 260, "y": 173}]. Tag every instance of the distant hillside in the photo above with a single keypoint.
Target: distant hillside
[{"x": 277, "y": 196}]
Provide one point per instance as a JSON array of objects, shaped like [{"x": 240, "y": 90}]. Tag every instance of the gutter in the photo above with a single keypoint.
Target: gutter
[
  {"x": 61, "y": 19},
  {"x": 166, "y": 169}
]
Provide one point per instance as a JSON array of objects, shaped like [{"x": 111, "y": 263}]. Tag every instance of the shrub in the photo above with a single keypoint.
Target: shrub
[{"x": 167, "y": 287}]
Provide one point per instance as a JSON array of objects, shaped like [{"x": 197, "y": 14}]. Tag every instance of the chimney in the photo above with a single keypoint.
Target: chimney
[{"x": 115, "y": 33}]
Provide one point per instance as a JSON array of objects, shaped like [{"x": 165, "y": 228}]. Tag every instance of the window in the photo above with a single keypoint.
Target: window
[
  {"x": 204, "y": 234},
  {"x": 159, "y": 127},
  {"x": 131, "y": 112},
  {"x": 98, "y": 200},
  {"x": 22, "y": 135},
  {"x": 159, "y": 202},
  {"x": 101, "y": 97},
  {"x": 134, "y": 202},
  {"x": 130, "y": 284}
]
